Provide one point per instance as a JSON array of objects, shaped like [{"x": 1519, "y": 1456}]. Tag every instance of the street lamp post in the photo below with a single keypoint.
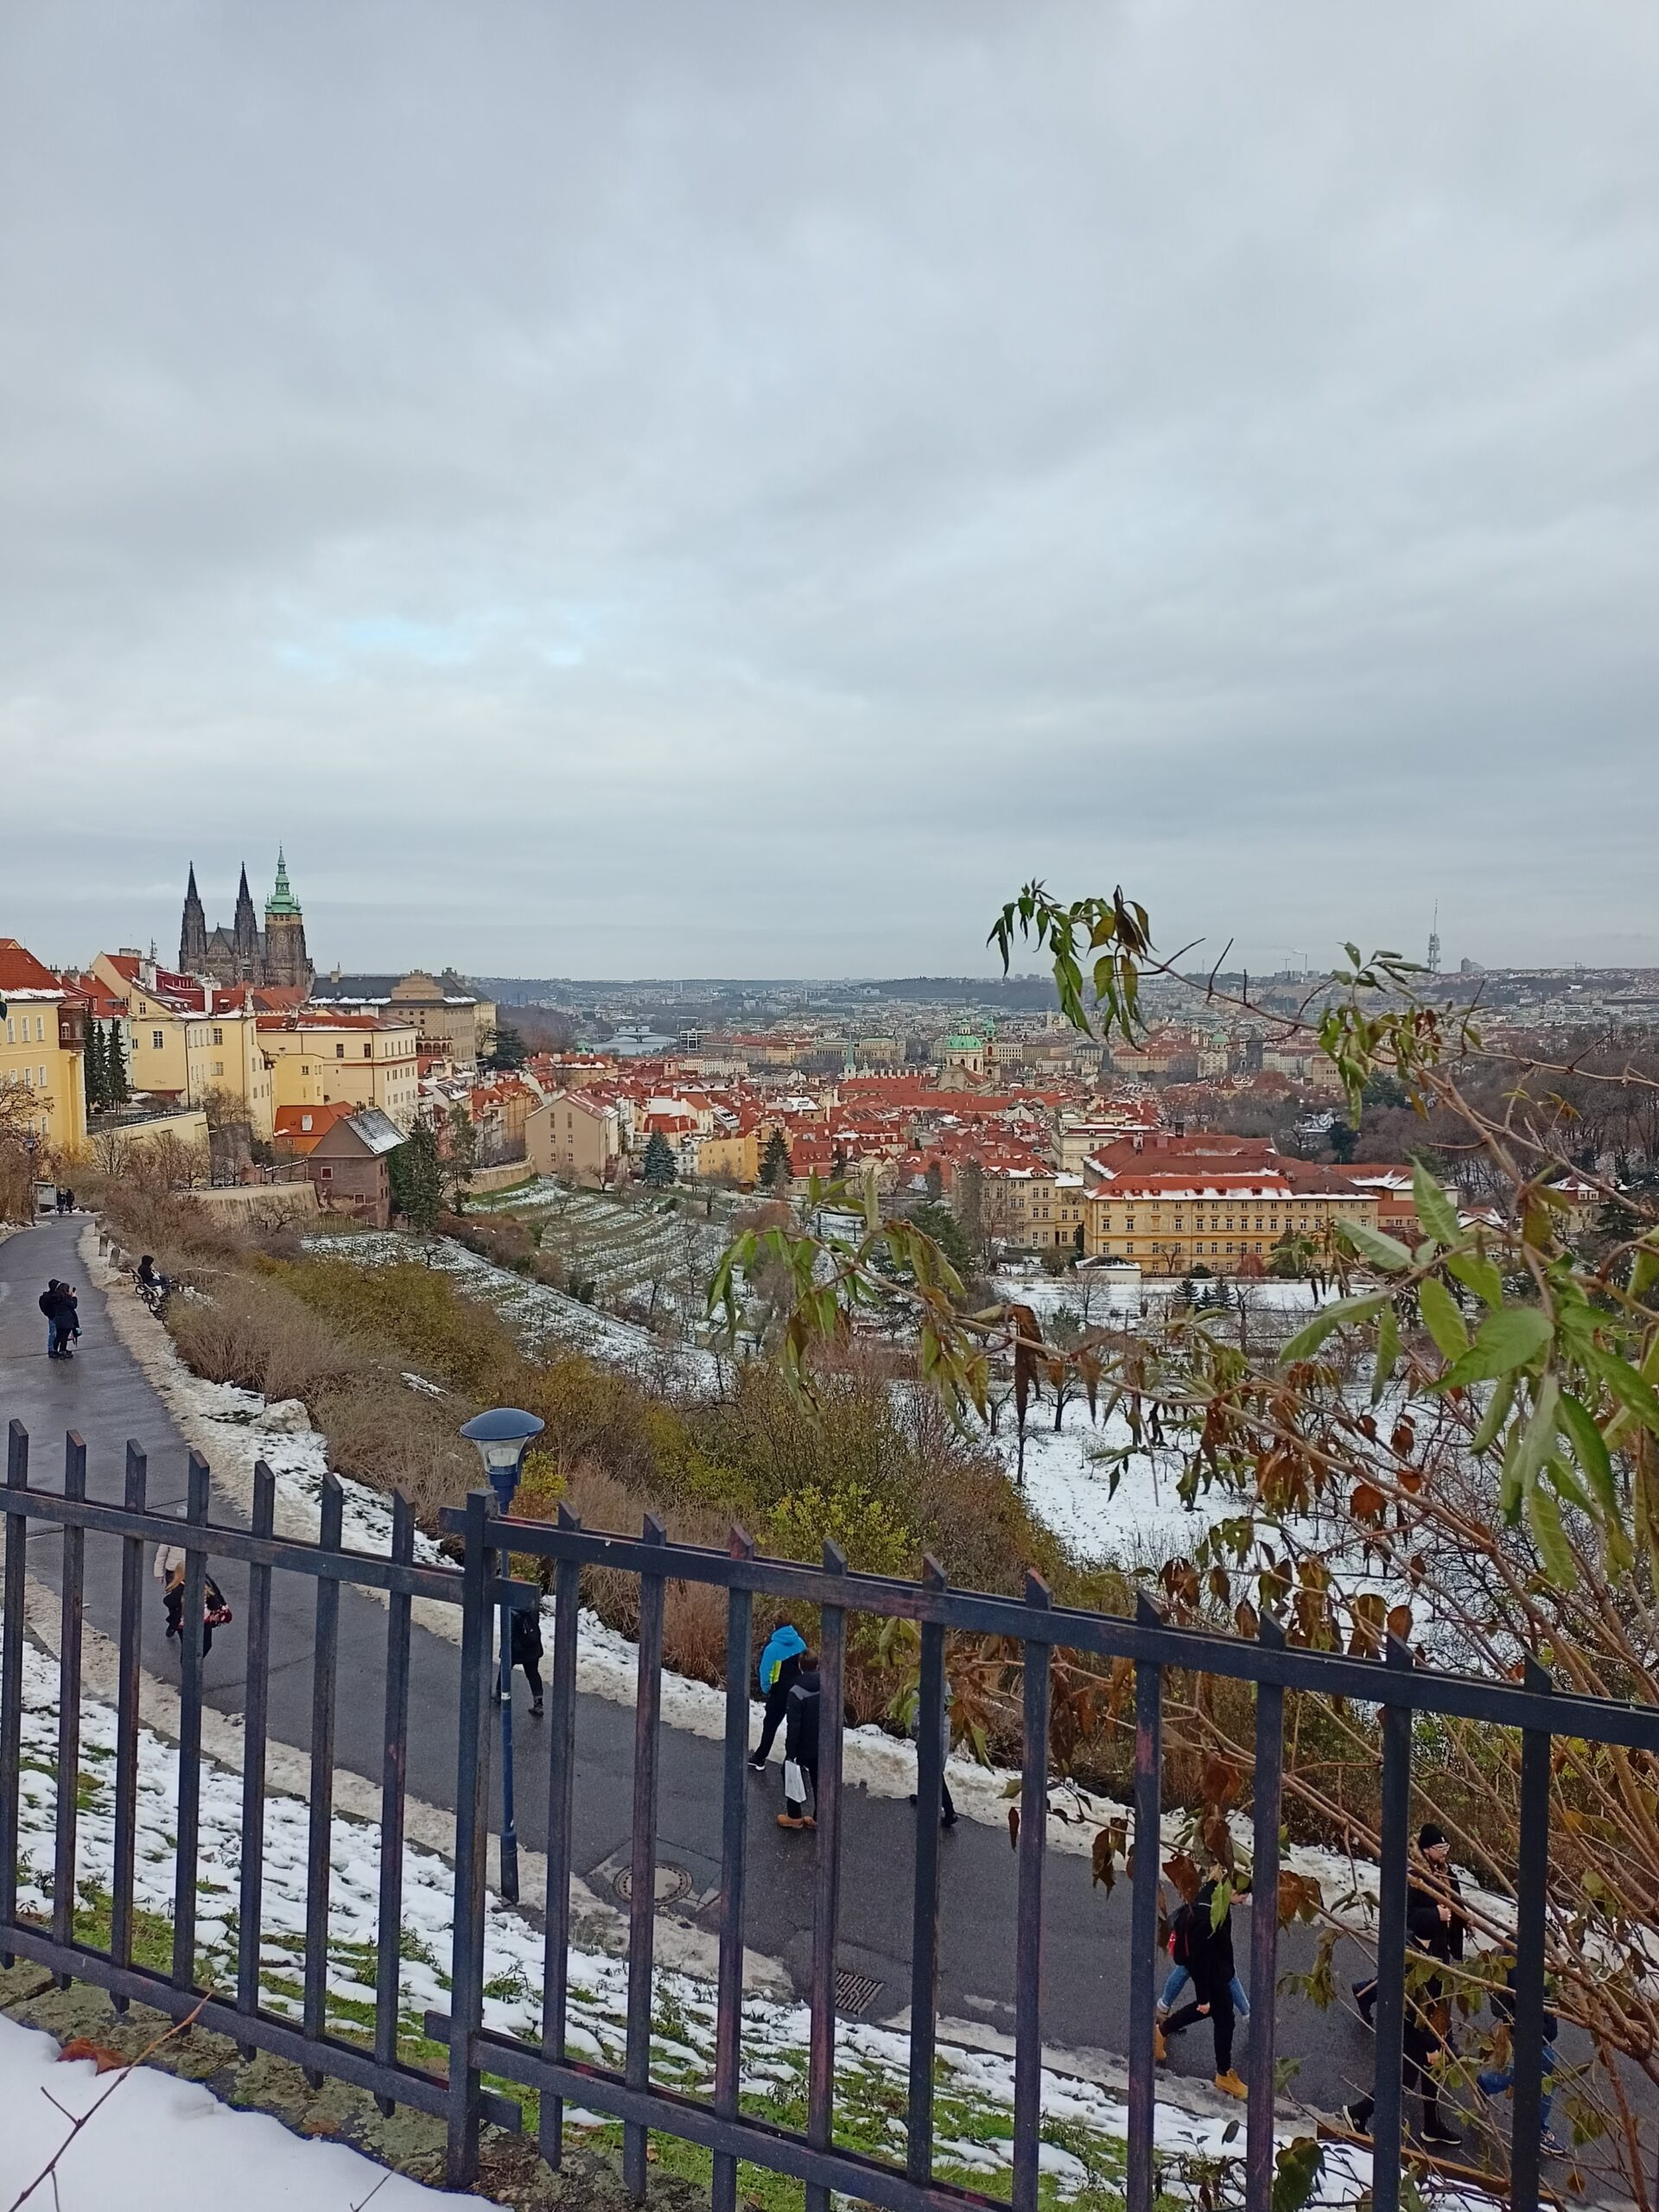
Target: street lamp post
[{"x": 502, "y": 1437}]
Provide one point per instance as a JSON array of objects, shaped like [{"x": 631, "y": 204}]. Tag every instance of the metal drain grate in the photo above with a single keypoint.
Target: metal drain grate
[
  {"x": 855, "y": 1992},
  {"x": 673, "y": 1883}
]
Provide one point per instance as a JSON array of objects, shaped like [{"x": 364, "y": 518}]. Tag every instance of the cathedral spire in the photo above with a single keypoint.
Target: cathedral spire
[
  {"x": 244, "y": 931},
  {"x": 192, "y": 930}
]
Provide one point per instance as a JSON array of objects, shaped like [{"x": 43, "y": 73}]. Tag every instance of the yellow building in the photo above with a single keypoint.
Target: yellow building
[
  {"x": 42, "y": 1039},
  {"x": 1170, "y": 1221},
  {"x": 318, "y": 1057},
  {"x": 575, "y": 1135},
  {"x": 1035, "y": 1208}
]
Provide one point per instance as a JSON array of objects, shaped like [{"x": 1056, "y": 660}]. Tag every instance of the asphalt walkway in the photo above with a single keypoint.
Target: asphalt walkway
[{"x": 105, "y": 1395}]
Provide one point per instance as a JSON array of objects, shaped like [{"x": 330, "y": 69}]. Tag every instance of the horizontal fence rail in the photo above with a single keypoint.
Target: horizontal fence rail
[{"x": 480, "y": 1587}]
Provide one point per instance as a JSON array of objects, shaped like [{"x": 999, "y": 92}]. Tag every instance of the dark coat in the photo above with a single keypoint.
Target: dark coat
[
  {"x": 1441, "y": 1939},
  {"x": 1209, "y": 1950},
  {"x": 526, "y": 1638},
  {"x": 801, "y": 1721}
]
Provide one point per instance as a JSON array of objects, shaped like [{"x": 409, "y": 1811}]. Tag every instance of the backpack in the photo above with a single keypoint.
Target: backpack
[{"x": 1180, "y": 1936}]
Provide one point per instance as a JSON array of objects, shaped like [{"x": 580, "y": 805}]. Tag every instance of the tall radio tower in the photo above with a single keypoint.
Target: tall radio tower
[{"x": 1435, "y": 942}]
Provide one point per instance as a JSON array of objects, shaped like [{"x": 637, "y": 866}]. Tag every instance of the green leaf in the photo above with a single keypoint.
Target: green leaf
[
  {"x": 1544, "y": 1519},
  {"x": 1296, "y": 2174},
  {"x": 1590, "y": 1450},
  {"x": 1538, "y": 1439},
  {"x": 1434, "y": 1210},
  {"x": 1504, "y": 1341},
  {"x": 1387, "y": 1351},
  {"x": 1627, "y": 1386},
  {"x": 1221, "y": 1903},
  {"x": 1307, "y": 1339},
  {"x": 1497, "y": 1413},
  {"x": 1384, "y": 1252},
  {"x": 1476, "y": 1272},
  {"x": 1441, "y": 1317}
]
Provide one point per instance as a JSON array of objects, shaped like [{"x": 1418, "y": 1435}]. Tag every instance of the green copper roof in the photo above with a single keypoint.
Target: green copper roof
[{"x": 282, "y": 900}]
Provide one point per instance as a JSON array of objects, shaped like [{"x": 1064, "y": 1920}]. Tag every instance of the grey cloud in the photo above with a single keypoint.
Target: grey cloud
[{"x": 739, "y": 488}]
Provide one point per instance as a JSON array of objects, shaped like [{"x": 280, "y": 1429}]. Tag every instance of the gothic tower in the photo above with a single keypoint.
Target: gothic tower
[
  {"x": 245, "y": 934},
  {"x": 286, "y": 960},
  {"x": 193, "y": 931}
]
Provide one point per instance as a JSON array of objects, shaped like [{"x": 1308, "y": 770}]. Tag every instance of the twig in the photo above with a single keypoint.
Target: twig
[
  {"x": 50, "y": 2170},
  {"x": 374, "y": 2192}
]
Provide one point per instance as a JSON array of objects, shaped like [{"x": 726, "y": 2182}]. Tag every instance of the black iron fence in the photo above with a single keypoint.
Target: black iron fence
[{"x": 718, "y": 2122}]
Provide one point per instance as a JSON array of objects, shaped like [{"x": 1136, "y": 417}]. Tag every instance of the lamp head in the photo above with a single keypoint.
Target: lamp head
[{"x": 503, "y": 1436}]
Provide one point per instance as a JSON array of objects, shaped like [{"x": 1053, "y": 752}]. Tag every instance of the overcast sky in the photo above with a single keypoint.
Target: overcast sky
[{"x": 704, "y": 488}]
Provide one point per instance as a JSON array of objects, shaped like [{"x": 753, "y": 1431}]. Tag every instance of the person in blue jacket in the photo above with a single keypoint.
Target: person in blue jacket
[{"x": 780, "y": 1667}]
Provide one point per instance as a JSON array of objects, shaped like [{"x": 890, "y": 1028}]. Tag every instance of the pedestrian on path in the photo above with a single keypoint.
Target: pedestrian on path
[
  {"x": 801, "y": 1746},
  {"x": 57, "y": 1302},
  {"x": 947, "y": 1810},
  {"x": 525, "y": 1642},
  {"x": 1435, "y": 1924},
  {"x": 779, "y": 1670},
  {"x": 215, "y": 1613},
  {"x": 1203, "y": 1945},
  {"x": 1495, "y": 2079},
  {"x": 48, "y": 1305}
]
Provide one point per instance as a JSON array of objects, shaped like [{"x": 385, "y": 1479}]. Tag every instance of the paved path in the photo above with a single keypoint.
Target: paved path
[{"x": 105, "y": 1395}]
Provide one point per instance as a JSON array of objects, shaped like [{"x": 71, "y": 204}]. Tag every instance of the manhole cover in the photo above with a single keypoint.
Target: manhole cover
[
  {"x": 855, "y": 1992},
  {"x": 673, "y": 1883}
]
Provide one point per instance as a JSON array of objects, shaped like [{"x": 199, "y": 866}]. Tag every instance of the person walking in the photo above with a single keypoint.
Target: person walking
[
  {"x": 1203, "y": 1945},
  {"x": 947, "y": 1810},
  {"x": 1495, "y": 2081},
  {"x": 215, "y": 1613},
  {"x": 779, "y": 1670},
  {"x": 801, "y": 1746},
  {"x": 1435, "y": 1924},
  {"x": 525, "y": 1644}
]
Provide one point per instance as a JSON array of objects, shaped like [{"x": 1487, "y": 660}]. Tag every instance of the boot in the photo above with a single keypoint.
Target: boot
[{"x": 1230, "y": 2084}]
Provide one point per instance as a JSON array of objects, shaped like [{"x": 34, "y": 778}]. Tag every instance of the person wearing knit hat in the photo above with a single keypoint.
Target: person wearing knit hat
[{"x": 1435, "y": 1924}]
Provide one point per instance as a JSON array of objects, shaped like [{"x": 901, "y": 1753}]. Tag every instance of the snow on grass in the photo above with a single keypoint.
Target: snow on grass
[
  {"x": 1085, "y": 2123},
  {"x": 539, "y": 1316}
]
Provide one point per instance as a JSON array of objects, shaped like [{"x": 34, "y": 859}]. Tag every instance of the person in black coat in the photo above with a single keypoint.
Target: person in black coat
[
  {"x": 1208, "y": 1948},
  {"x": 1436, "y": 1925},
  {"x": 526, "y": 1644},
  {"x": 801, "y": 1742}
]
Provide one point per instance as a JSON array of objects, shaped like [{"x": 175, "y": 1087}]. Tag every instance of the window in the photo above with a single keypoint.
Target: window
[
  {"x": 327, "y": 1174},
  {"x": 28, "y": 1084},
  {"x": 219, "y": 1036},
  {"x": 155, "y": 1040},
  {"x": 218, "y": 1067},
  {"x": 368, "y": 1051},
  {"x": 340, "y": 1052},
  {"x": 11, "y": 1029},
  {"x": 40, "y": 1029}
]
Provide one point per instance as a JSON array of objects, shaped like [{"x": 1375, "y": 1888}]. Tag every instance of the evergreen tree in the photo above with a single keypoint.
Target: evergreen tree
[
  {"x": 95, "y": 1077},
  {"x": 1343, "y": 1139},
  {"x": 658, "y": 1170},
  {"x": 416, "y": 1173},
  {"x": 461, "y": 1157},
  {"x": 838, "y": 1163},
  {"x": 934, "y": 1180},
  {"x": 507, "y": 1050},
  {"x": 116, "y": 1088},
  {"x": 774, "y": 1163}
]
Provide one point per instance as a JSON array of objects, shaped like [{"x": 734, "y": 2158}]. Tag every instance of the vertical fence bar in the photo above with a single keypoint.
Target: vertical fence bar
[
  {"x": 1028, "y": 1969},
  {"x": 642, "y": 1895},
  {"x": 250, "y": 1911},
  {"x": 1264, "y": 1930},
  {"x": 561, "y": 1794},
  {"x": 189, "y": 1808},
  {"x": 11, "y": 1673},
  {"x": 1531, "y": 1893},
  {"x": 71, "y": 1609},
  {"x": 733, "y": 1854},
  {"x": 394, "y": 1777},
  {"x": 129, "y": 1661},
  {"x": 933, "y": 1743},
  {"x": 1143, "y": 1913},
  {"x": 826, "y": 1898},
  {"x": 1389, "y": 2012},
  {"x": 321, "y": 1829},
  {"x": 472, "y": 1828}
]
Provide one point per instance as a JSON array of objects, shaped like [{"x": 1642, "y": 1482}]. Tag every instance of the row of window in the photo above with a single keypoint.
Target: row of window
[
  {"x": 17, "y": 1030},
  {"x": 30, "y": 1080}
]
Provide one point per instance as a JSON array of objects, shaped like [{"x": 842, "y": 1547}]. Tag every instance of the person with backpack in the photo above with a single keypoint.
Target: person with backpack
[
  {"x": 947, "y": 1810},
  {"x": 801, "y": 1746},
  {"x": 524, "y": 1649},
  {"x": 779, "y": 1670},
  {"x": 1435, "y": 1924},
  {"x": 1202, "y": 1941},
  {"x": 215, "y": 1613}
]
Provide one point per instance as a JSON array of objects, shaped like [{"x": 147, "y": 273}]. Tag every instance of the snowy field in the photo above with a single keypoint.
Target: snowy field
[{"x": 540, "y": 1316}]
